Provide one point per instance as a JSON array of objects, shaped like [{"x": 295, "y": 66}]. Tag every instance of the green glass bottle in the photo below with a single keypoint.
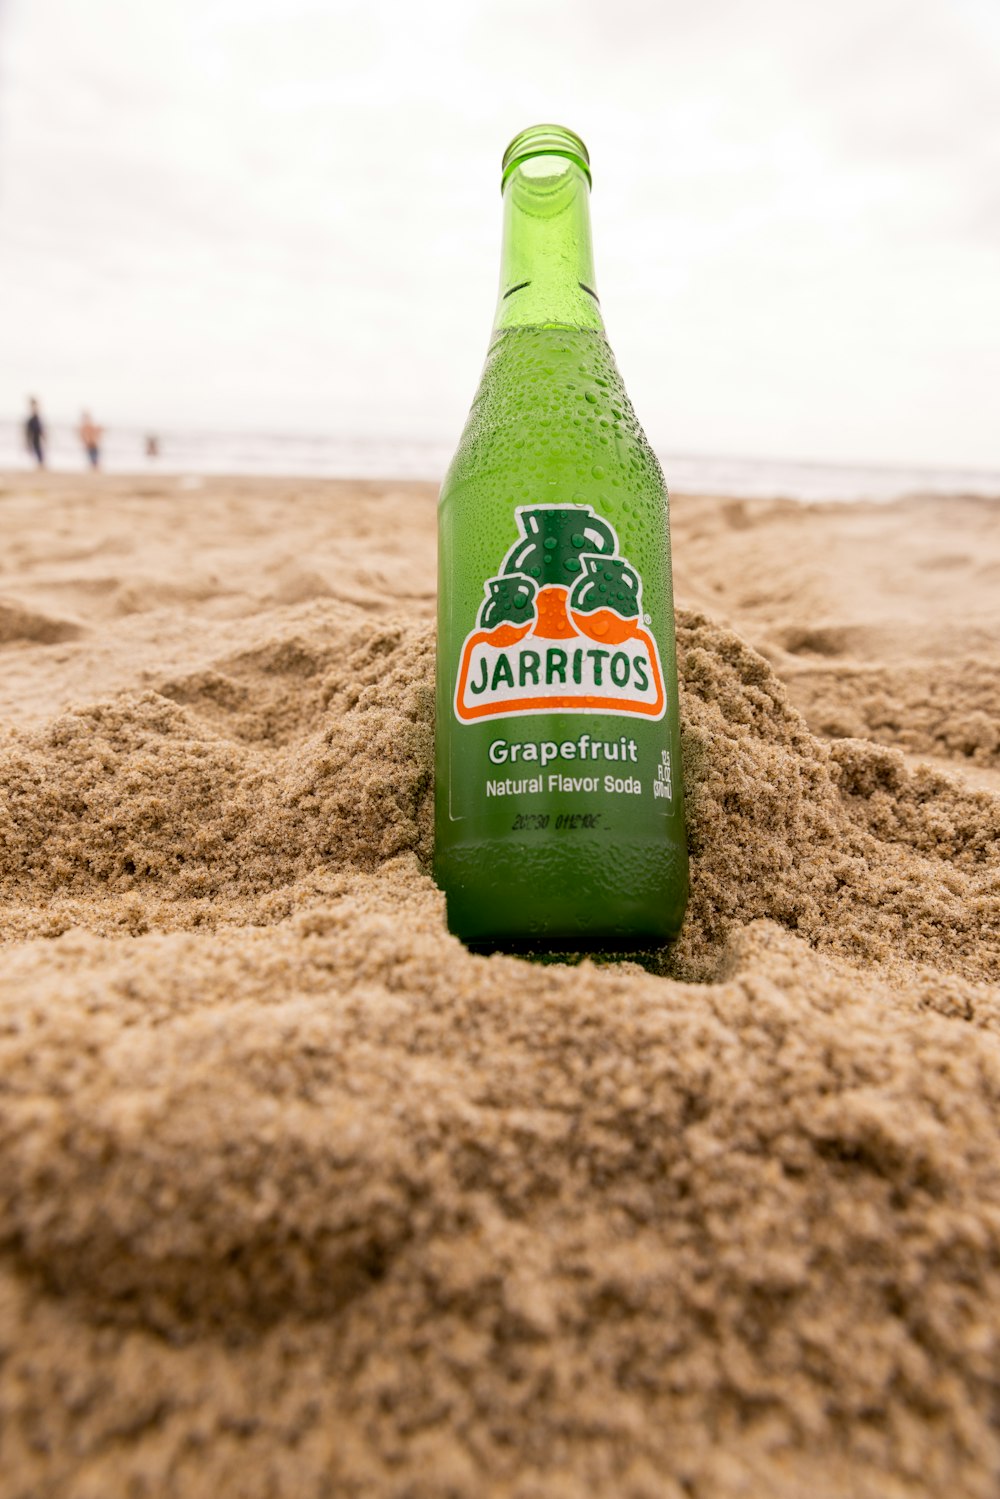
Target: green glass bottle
[{"x": 559, "y": 803}]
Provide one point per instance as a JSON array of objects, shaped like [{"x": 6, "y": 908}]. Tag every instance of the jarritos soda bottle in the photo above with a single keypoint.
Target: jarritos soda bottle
[{"x": 559, "y": 813}]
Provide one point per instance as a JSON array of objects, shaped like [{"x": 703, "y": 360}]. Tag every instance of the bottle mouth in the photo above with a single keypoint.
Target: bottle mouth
[{"x": 544, "y": 140}]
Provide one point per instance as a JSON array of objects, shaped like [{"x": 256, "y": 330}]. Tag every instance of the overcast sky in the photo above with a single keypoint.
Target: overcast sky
[{"x": 285, "y": 214}]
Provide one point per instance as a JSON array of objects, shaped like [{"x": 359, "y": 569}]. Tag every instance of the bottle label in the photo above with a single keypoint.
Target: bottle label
[{"x": 561, "y": 626}]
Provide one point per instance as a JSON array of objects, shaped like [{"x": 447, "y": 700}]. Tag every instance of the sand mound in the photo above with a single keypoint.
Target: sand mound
[
  {"x": 299, "y": 1198},
  {"x": 951, "y": 713},
  {"x": 882, "y": 620},
  {"x": 841, "y": 844},
  {"x": 17, "y": 623},
  {"x": 143, "y": 799},
  {"x": 335, "y": 1207},
  {"x": 199, "y": 804}
]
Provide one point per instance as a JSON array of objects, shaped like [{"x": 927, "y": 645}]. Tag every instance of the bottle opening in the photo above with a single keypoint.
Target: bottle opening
[{"x": 544, "y": 140}]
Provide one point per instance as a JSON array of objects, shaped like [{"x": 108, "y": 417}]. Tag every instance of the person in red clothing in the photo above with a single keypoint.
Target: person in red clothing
[{"x": 90, "y": 436}]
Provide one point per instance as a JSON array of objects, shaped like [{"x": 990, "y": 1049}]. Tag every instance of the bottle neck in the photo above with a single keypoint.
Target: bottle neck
[{"x": 547, "y": 263}]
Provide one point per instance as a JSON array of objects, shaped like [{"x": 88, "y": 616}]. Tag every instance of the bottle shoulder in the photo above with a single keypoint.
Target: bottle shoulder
[{"x": 551, "y": 406}]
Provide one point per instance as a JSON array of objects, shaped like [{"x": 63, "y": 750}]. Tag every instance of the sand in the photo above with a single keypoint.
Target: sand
[{"x": 300, "y": 1198}]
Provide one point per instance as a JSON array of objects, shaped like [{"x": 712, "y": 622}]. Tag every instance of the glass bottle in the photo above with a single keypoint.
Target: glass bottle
[{"x": 559, "y": 802}]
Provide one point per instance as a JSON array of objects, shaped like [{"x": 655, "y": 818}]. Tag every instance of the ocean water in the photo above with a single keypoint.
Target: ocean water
[{"x": 337, "y": 457}]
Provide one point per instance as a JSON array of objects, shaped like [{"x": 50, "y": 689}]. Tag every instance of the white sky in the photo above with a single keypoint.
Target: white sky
[{"x": 285, "y": 214}]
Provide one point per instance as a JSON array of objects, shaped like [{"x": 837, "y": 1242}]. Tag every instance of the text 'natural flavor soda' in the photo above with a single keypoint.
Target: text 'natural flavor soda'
[{"x": 559, "y": 807}]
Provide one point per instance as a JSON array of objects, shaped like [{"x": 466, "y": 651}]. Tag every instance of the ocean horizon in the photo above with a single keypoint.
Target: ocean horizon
[{"x": 325, "y": 456}]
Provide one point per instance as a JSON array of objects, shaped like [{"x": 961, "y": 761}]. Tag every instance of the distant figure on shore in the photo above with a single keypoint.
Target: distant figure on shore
[
  {"x": 152, "y": 446},
  {"x": 90, "y": 436},
  {"x": 34, "y": 433}
]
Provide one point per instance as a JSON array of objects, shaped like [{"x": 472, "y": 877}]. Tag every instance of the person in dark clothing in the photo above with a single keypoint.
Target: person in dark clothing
[{"x": 34, "y": 433}]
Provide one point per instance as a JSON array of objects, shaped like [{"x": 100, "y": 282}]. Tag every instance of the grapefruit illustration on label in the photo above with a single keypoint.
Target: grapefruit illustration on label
[{"x": 561, "y": 627}]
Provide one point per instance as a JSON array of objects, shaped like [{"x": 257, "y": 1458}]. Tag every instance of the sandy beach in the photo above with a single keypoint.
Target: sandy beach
[{"x": 299, "y": 1198}]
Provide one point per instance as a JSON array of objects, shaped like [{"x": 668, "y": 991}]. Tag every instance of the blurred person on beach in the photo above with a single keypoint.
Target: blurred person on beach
[
  {"x": 90, "y": 435},
  {"x": 152, "y": 446},
  {"x": 34, "y": 433}
]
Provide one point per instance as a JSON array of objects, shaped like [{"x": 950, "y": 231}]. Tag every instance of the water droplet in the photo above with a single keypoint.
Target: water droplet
[{"x": 598, "y": 471}]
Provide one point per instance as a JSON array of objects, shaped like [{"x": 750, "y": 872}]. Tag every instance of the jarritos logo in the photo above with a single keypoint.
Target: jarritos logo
[{"x": 561, "y": 626}]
